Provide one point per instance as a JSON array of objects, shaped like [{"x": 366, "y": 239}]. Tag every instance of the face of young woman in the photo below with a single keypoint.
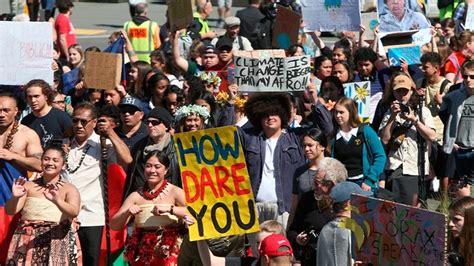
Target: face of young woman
[
  {"x": 342, "y": 115},
  {"x": 325, "y": 69},
  {"x": 74, "y": 57},
  {"x": 312, "y": 148},
  {"x": 133, "y": 74},
  {"x": 340, "y": 72},
  {"x": 52, "y": 162},
  {"x": 154, "y": 170},
  {"x": 456, "y": 222},
  {"x": 192, "y": 123}
]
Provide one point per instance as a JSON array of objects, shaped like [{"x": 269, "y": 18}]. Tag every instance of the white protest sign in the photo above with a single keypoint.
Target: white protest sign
[
  {"x": 331, "y": 15},
  {"x": 26, "y": 52},
  {"x": 360, "y": 93},
  {"x": 272, "y": 73},
  {"x": 469, "y": 24}
]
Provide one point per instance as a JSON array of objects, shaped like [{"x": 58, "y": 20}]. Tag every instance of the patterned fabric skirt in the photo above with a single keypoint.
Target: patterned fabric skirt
[
  {"x": 45, "y": 243},
  {"x": 154, "y": 247}
]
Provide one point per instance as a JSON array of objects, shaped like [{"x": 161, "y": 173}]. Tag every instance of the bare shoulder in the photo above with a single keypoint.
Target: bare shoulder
[
  {"x": 175, "y": 189},
  {"x": 26, "y": 134},
  {"x": 68, "y": 187}
]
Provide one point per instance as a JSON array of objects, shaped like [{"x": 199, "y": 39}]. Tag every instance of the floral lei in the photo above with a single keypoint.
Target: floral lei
[
  {"x": 211, "y": 78},
  {"x": 187, "y": 110}
]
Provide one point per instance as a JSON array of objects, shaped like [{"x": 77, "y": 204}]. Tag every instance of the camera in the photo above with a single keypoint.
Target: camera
[
  {"x": 455, "y": 259},
  {"x": 312, "y": 234},
  {"x": 404, "y": 108}
]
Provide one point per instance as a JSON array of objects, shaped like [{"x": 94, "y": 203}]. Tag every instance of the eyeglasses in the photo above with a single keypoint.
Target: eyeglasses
[
  {"x": 465, "y": 76},
  {"x": 131, "y": 111},
  {"x": 153, "y": 122},
  {"x": 83, "y": 122}
]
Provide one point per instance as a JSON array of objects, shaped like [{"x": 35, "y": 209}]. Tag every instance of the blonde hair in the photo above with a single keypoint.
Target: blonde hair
[{"x": 272, "y": 226}]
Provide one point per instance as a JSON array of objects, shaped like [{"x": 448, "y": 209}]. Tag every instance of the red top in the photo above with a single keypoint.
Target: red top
[
  {"x": 450, "y": 66},
  {"x": 63, "y": 25}
]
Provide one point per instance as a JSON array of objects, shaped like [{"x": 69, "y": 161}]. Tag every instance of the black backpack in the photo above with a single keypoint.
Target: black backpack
[{"x": 261, "y": 38}]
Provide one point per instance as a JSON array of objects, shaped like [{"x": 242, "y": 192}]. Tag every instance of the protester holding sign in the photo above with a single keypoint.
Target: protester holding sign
[{"x": 157, "y": 209}]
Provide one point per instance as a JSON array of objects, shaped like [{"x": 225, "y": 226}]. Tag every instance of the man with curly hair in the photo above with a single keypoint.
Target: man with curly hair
[{"x": 273, "y": 153}]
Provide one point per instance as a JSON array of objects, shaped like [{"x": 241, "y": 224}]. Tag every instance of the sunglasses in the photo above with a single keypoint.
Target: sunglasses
[
  {"x": 131, "y": 111},
  {"x": 153, "y": 122},
  {"x": 83, "y": 122},
  {"x": 465, "y": 76}
]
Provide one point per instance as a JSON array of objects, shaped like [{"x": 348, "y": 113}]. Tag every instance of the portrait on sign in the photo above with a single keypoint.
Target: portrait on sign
[{"x": 400, "y": 15}]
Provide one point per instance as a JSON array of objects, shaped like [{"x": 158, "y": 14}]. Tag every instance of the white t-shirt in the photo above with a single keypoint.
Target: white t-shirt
[{"x": 267, "y": 190}]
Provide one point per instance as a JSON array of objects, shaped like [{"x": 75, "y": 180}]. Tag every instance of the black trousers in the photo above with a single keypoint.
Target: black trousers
[{"x": 90, "y": 238}]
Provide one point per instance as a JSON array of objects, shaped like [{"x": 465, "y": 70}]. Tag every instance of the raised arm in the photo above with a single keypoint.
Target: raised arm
[
  {"x": 179, "y": 60},
  {"x": 17, "y": 201}
]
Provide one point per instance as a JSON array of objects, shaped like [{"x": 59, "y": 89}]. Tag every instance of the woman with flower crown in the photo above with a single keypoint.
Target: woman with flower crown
[
  {"x": 47, "y": 232},
  {"x": 191, "y": 118},
  {"x": 158, "y": 209}
]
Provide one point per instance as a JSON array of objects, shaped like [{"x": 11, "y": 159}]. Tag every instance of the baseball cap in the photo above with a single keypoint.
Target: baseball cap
[
  {"x": 161, "y": 114},
  {"x": 271, "y": 244},
  {"x": 131, "y": 101},
  {"x": 402, "y": 82},
  {"x": 208, "y": 49},
  {"x": 223, "y": 43},
  {"x": 232, "y": 21},
  {"x": 342, "y": 192}
]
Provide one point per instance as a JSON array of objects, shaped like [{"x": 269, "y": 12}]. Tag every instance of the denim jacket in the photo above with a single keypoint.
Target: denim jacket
[{"x": 288, "y": 157}]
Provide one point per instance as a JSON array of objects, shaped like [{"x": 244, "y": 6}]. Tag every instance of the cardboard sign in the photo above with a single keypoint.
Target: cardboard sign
[
  {"x": 26, "y": 52},
  {"x": 389, "y": 233},
  {"x": 216, "y": 183},
  {"x": 331, "y": 15},
  {"x": 287, "y": 26},
  {"x": 261, "y": 53},
  {"x": 411, "y": 54},
  {"x": 102, "y": 70},
  {"x": 272, "y": 73},
  {"x": 360, "y": 93},
  {"x": 369, "y": 21},
  {"x": 469, "y": 24},
  {"x": 180, "y": 13}
]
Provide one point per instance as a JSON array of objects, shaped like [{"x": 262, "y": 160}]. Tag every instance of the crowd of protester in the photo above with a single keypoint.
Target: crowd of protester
[{"x": 306, "y": 151}]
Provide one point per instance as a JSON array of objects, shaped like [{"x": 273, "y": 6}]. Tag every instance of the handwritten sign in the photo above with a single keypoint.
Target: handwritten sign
[
  {"x": 285, "y": 32},
  {"x": 331, "y": 15},
  {"x": 411, "y": 54},
  {"x": 469, "y": 24},
  {"x": 389, "y": 233},
  {"x": 369, "y": 21},
  {"x": 360, "y": 93},
  {"x": 180, "y": 13},
  {"x": 102, "y": 70},
  {"x": 216, "y": 183},
  {"x": 26, "y": 52},
  {"x": 272, "y": 73}
]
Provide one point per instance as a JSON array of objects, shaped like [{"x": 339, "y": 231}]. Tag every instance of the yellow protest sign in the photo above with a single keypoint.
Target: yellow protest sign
[{"x": 216, "y": 183}]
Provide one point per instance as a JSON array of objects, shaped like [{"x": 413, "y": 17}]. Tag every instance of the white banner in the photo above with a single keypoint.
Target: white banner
[
  {"x": 331, "y": 15},
  {"x": 26, "y": 52}
]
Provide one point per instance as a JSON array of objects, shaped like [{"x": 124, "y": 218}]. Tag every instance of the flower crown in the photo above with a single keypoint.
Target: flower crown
[
  {"x": 187, "y": 110},
  {"x": 211, "y": 77}
]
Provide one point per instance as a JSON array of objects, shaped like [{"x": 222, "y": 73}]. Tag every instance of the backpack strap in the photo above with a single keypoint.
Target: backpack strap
[
  {"x": 442, "y": 88},
  {"x": 241, "y": 44}
]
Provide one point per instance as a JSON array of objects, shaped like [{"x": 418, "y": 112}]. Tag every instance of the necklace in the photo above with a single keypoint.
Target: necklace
[
  {"x": 40, "y": 182},
  {"x": 9, "y": 142},
  {"x": 161, "y": 191},
  {"x": 72, "y": 171}
]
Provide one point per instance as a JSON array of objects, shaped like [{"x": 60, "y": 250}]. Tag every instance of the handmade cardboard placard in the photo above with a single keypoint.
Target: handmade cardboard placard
[
  {"x": 180, "y": 13},
  {"x": 400, "y": 16},
  {"x": 369, "y": 21},
  {"x": 331, "y": 15},
  {"x": 102, "y": 70},
  {"x": 270, "y": 74},
  {"x": 411, "y": 54},
  {"x": 285, "y": 32},
  {"x": 216, "y": 183},
  {"x": 389, "y": 233},
  {"x": 26, "y": 52},
  {"x": 360, "y": 93}
]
